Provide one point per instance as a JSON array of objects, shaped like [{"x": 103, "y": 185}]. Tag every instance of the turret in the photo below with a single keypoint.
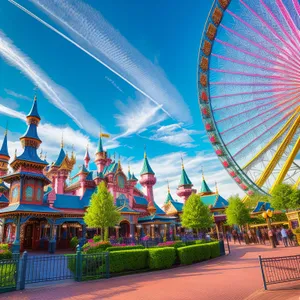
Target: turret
[
  {"x": 101, "y": 156},
  {"x": 4, "y": 156},
  {"x": 204, "y": 190},
  {"x": 148, "y": 180},
  {"x": 169, "y": 196},
  {"x": 185, "y": 186},
  {"x": 87, "y": 158}
]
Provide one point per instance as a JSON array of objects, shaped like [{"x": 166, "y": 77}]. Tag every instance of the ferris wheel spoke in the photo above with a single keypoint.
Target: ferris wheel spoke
[
  {"x": 254, "y": 92},
  {"x": 297, "y": 6},
  {"x": 256, "y": 108},
  {"x": 297, "y": 184},
  {"x": 273, "y": 31},
  {"x": 257, "y": 75},
  {"x": 259, "y": 124},
  {"x": 254, "y": 84},
  {"x": 255, "y": 55},
  {"x": 280, "y": 49},
  {"x": 287, "y": 165},
  {"x": 273, "y": 140},
  {"x": 261, "y": 67},
  {"x": 291, "y": 39},
  {"x": 278, "y": 154},
  {"x": 255, "y": 100},
  {"x": 288, "y": 18}
]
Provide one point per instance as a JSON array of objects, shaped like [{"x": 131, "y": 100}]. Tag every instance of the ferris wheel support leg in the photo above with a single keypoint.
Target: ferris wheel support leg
[
  {"x": 297, "y": 183},
  {"x": 276, "y": 137},
  {"x": 286, "y": 165},
  {"x": 276, "y": 157}
]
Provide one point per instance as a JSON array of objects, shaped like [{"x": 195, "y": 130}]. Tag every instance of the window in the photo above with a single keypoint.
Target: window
[
  {"x": 15, "y": 193},
  {"x": 39, "y": 194},
  {"x": 29, "y": 193},
  {"x": 121, "y": 181}
]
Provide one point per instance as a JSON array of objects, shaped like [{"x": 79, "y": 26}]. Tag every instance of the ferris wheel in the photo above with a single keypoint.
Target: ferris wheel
[{"x": 249, "y": 90}]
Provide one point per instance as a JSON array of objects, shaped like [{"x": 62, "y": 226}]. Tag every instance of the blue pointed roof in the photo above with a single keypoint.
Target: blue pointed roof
[
  {"x": 4, "y": 148},
  {"x": 133, "y": 178},
  {"x": 89, "y": 176},
  {"x": 140, "y": 200},
  {"x": 30, "y": 154},
  {"x": 3, "y": 199},
  {"x": 204, "y": 187},
  {"x": 184, "y": 179},
  {"x": 169, "y": 197},
  {"x": 178, "y": 205},
  {"x": 220, "y": 202},
  {"x": 129, "y": 175},
  {"x": 159, "y": 211},
  {"x": 146, "y": 167},
  {"x": 34, "y": 110},
  {"x": 31, "y": 132},
  {"x": 3, "y": 186},
  {"x": 60, "y": 158},
  {"x": 83, "y": 169},
  {"x": 262, "y": 206},
  {"x": 100, "y": 146}
]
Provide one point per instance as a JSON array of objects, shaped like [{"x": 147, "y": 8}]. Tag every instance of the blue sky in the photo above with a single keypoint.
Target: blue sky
[{"x": 152, "y": 45}]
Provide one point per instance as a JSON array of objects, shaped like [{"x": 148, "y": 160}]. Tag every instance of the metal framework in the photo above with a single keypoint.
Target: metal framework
[{"x": 249, "y": 90}]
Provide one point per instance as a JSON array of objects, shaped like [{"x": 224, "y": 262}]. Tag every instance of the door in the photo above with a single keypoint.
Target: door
[{"x": 28, "y": 236}]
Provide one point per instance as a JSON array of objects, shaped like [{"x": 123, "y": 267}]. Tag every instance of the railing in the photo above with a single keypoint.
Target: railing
[
  {"x": 48, "y": 267},
  {"x": 9, "y": 274},
  {"x": 280, "y": 269}
]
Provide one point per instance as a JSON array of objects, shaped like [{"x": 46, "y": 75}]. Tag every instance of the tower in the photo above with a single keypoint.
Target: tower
[
  {"x": 148, "y": 180},
  {"x": 101, "y": 156},
  {"x": 204, "y": 190},
  {"x": 185, "y": 186},
  {"x": 4, "y": 156},
  {"x": 87, "y": 158}
]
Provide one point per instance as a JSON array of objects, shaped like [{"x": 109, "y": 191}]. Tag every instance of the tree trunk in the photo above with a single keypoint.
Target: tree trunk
[
  {"x": 102, "y": 233},
  {"x": 106, "y": 234}
]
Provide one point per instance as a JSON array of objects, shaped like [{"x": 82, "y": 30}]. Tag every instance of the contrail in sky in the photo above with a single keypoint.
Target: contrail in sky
[{"x": 177, "y": 105}]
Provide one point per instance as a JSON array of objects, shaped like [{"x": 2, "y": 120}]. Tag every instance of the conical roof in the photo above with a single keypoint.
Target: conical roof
[
  {"x": 87, "y": 155},
  {"x": 169, "y": 197},
  {"x": 184, "y": 179},
  {"x": 4, "y": 147},
  {"x": 204, "y": 187},
  {"x": 34, "y": 110},
  {"x": 100, "y": 146},
  {"x": 146, "y": 166},
  {"x": 133, "y": 178}
]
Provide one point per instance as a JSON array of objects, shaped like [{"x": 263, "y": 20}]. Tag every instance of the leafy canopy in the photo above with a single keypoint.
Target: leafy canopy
[
  {"x": 237, "y": 213},
  {"x": 284, "y": 197},
  {"x": 196, "y": 214},
  {"x": 102, "y": 213}
]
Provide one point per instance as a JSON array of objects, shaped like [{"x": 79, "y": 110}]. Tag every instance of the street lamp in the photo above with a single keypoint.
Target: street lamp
[{"x": 267, "y": 215}]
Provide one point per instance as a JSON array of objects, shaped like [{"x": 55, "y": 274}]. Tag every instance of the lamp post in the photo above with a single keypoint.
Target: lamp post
[{"x": 267, "y": 215}]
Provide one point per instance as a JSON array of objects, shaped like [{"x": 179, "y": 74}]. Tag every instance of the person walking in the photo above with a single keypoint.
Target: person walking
[
  {"x": 284, "y": 237},
  {"x": 290, "y": 235},
  {"x": 272, "y": 238},
  {"x": 259, "y": 235}
]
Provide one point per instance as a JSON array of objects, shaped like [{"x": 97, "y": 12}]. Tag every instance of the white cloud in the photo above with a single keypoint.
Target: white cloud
[
  {"x": 16, "y": 95},
  {"x": 136, "y": 115},
  {"x": 175, "y": 134},
  {"x": 168, "y": 168},
  {"x": 100, "y": 40},
  {"x": 114, "y": 84},
  {"x": 56, "y": 94}
]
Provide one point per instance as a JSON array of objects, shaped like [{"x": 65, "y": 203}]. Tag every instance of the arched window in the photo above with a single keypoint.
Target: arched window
[
  {"x": 39, "y": 194},
  {"x": 15, "y": 193},
  {"x": 29, "y": 193}
]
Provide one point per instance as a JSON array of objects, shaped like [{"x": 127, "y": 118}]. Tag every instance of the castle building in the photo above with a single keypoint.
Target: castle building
[{"x": 42, "y": 205}]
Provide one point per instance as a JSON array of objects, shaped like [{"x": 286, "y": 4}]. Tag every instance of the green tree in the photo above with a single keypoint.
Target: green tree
[
  {"x": 252, "y": 201},
  {"x": 237, "y": 213},
  {"x": 196, "y": 215},
  {"x": 284, "y": 197},
  {"x": 102, "y": 213}
]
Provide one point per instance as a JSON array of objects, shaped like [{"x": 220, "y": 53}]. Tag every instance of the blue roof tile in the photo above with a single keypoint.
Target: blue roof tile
[
  {"x": 159, "y": 211},
  {"x": 60, "y": 158},
  {"x": 34, "y": 110},
  {"x": 30, "y": 154},
  {"x": 86, "y": 198},
  {"x": 155, "y": 217},
  {"x": 31, "y": 132},
  {"x": 262, "y": 206},
  {"x": 140, "y": 200},
  {"x": 3, "y": 199},
  {"x": 220, "y": 202},
  {"x": 28, "y": 208},
  {"x": 4, "y": 148},
  {"x": 178, "y": 205},
  {"x": 68, "y": 201}
]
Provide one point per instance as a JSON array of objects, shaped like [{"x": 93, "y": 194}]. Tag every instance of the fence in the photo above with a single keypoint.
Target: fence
[
  {"x": 16, "y": 273},
  {"x": 280, "y": 269}
]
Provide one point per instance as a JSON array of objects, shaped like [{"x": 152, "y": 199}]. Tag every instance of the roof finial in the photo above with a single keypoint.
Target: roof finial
[
  {"x": 41, "y": 153},
  {"x": 129, "y": 168},
  {"x": 16, "y": 153},
  {"x": 6, "y": 128},
  {"x": 115, "y": 156},
  {"x": 62, "y": 140},
  {"x": 217, "y": 191},
  {"x": 45, "y": 156},
  {"x": 168, "y": 187},
  {"x": 35, "y": 91},
  {"x": 202, "y": 172},
  {"x": 182, "y": 165},
  {"x": 145, "y": 152}
]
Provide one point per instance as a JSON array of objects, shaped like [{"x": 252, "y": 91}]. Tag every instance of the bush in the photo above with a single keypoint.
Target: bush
[
  {"x": 200, "y": 252},
  {"x": 161, "y": 258},
  {"x": 97, "y": 238},
  {"x": 8, "y": 275},
  {"x": 174, "y": 244},
  {"x": 121, "y": 248},
  {"x": 4, "y": 247},
  {"x": 128, "y": 260},
  {"x": 74, "y": 242},
  {"x": 5, "y": 254},
  {"x": 98, "y": 247}
]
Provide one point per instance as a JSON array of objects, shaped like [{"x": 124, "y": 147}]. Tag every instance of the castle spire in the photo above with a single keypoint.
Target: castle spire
[
  {"x": 100, "y": 145},
  {"x": 217, "y": 190},
  {"x": 169, "y": 196},
  {"x": 184, "y": 179},
  {"x": 62, "y": 140},
  {"x": 146, "y": 166},
  {"x": 87, "y": 157},
  {"x": 205, "y": 190},
  {"x": 4, "y": 147}
]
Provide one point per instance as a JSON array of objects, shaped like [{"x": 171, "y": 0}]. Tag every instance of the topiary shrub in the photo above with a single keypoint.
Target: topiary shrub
[
  {"x": 97, "y": 238},
  {"x": 214, "y": 249},
  {"x": 161, "y": 258},
  {"x": 92, "y": 247},
  {"x": 4, "y": 247},
  {"x": 128, "y": 260},
  {"x": 123, "y": 248},
  {"x": 74, "y": 242},
  {"x": 5, "y": 254}
]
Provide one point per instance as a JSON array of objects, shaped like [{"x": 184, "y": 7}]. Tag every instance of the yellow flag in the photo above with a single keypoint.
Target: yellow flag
[{"x": 105, "y": 135}]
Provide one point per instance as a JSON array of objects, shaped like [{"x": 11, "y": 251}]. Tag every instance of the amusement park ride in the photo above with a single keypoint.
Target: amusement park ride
[{"x": 249, "y": 90}]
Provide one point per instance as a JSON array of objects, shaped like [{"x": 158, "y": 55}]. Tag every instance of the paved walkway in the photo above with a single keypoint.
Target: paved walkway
[{"x": 234, "y": 277}]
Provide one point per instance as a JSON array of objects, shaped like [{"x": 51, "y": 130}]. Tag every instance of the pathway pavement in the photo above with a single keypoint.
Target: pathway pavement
[{"x": 234, "y": 277}]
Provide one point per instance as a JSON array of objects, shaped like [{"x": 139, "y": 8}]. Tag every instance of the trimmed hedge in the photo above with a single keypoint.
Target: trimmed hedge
[
  {"x": 120, "y": 248},
  {"x": 196, "y": 253},
  {"x": 5, "y": 254},
  {"x": 161, "y": 258},
  {"x": 128, "y": 260}
]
